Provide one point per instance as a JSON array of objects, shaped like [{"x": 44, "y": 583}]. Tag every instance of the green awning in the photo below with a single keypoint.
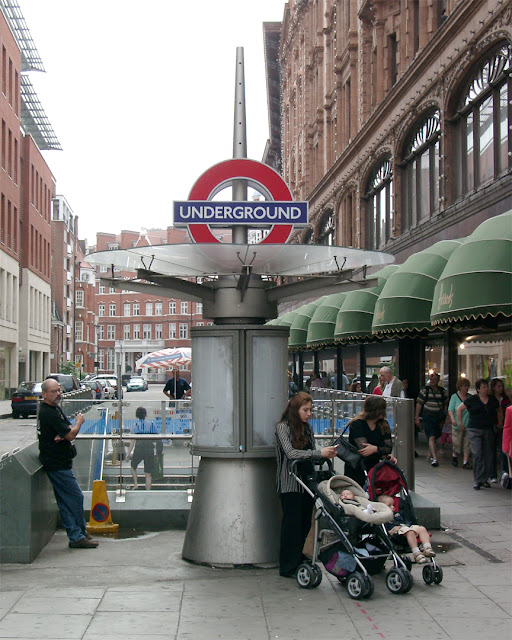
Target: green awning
[
  {"x": 299, "y": 328},
  {"x": 354, "y": 319},
  {"x": 286, "y": 319},
  {"x": 321, "y": 327},
  {"x": 405, "y": 302},
  {"x": 477, "y": 280}
]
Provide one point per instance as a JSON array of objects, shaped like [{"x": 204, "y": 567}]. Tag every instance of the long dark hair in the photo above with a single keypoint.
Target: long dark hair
[
  {"x": 291, "y": 415},
  {"x": 494, "y": 382},
  {"x": 373, "y": 408}
]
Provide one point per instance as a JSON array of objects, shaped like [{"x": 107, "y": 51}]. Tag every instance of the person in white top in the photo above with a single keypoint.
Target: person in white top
[{"x": 393, "y": 386}]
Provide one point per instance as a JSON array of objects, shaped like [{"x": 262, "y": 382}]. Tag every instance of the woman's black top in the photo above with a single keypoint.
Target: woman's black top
[
  {"x": 360, "y": 434},
  {"x": 481, "y": 416}
]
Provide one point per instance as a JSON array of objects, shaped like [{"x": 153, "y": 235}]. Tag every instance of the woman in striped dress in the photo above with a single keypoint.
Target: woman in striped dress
[{"x": 295, "y": 441}]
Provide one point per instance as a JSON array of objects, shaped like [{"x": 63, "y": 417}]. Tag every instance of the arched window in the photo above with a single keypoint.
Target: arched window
[
  {"x": 379, "y": 196},
  {"x": 484, "y": 138},
  {"x": 327, "y": 229},
  {"x": 309, "y": 237},
  {"x": 420, "y": 184}
]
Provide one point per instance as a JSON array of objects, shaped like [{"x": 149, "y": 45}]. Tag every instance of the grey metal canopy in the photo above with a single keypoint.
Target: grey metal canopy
[{"x": 196, "y": 260}]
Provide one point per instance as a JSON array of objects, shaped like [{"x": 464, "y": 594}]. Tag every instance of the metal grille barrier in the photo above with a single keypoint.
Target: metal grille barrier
[{"x": 110, "y": 426}]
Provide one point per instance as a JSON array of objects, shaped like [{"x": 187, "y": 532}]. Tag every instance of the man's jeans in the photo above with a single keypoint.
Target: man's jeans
[{"x": 70, "y": 501}]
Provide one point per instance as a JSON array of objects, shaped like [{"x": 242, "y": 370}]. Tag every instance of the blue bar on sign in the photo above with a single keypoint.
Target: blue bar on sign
[{"x": 253, "y": 214}]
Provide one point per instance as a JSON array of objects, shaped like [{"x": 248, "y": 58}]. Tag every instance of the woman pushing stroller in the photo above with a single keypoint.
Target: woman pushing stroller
[{"x": 295, "y": 441}]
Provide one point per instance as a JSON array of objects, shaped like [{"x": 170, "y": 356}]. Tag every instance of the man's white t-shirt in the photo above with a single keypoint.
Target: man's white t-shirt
[{"x": 387, "y": 390}]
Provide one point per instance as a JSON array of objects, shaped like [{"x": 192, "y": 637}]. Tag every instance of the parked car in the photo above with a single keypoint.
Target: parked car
[
  {"x": 67, "y": 381},
  {"x": 24, "y": 399},
  {"x": 95, "y": 386},
  {"x": 109, "y": 393},
  {"x": 136, "y": 383},
  {"x": 106, "y": 376}
]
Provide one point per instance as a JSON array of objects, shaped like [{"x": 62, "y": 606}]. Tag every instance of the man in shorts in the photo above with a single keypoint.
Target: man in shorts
[{"x": 431, "y": 405}]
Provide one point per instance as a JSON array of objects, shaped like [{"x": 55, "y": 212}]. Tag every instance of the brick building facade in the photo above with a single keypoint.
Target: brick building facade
[
  {"x": 393, "y": 118},
  {"x": 131, "y": 325},
  {"x": 66, "y": 253},
  {"x": 10, "y": 249},
  {"x": 26, "y": 190},
  {"x": 396, "y": 118}
]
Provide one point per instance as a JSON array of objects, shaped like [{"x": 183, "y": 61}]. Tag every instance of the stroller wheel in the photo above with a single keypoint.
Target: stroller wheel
[
  {"x": 370, "y": 586},
  {"x": 357, "y": 586},
  {"x": 438, "y": 575},
  {"x": 428, "y": 574},
  {"x": 396, "y": 581},
  {"x": 318, "y": 573},
  {"x": 410, "y": 580},
  {"x": 307, "y": 576}
]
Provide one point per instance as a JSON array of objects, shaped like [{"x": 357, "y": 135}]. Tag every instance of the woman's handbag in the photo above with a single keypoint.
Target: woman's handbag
[{"x": 347, "y": 452}]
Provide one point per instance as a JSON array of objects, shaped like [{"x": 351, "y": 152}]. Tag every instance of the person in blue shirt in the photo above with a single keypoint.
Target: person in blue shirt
[
  {"x": 182, "y": 387},
  {"x": 143, "y": 449}
]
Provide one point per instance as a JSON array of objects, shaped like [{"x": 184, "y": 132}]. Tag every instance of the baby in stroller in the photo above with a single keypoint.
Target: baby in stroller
[
  {"x": 348, "y": 497},
  {"x": 411, "y": 532},
  {"x": 345, "y": 492}
]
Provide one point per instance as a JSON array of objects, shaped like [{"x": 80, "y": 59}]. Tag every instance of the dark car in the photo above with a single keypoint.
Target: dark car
[
  {"x": 95, "y": 386},
  {"x": 24, "y": 399},
  {"x": 67, "y": 381}
]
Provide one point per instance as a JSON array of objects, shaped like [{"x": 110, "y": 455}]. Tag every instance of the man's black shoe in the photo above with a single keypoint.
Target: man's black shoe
[
  {"x": 477, "y": 486},
  {"x": 83, "y": 544},
  {"x": 486, "y": 485}
]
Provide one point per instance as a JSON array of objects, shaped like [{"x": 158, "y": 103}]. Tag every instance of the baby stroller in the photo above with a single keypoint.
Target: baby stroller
[
  {"x": 387, "y": 478},
  {"x": 350, "y": 548}
]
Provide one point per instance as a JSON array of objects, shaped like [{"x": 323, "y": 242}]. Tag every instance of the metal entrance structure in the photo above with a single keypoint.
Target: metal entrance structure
[{"x": 240, "y": 365}]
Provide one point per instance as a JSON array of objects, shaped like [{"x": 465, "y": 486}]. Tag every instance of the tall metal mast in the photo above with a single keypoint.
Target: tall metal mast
[{"x": 239, "y": 141}]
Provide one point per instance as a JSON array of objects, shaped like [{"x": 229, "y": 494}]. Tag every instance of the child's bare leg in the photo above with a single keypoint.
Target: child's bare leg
[
  {"x": 417, "y": 554},
  {"x": 424, "y": 537},
  {"x": 411, "y": 540}
]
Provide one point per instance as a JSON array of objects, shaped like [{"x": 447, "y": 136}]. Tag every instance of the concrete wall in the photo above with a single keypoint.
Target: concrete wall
[{"x": 28, "y": 512}]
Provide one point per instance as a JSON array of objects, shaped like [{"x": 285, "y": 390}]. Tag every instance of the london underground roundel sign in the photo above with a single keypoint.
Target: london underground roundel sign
[{"x": 199, "y": 212}]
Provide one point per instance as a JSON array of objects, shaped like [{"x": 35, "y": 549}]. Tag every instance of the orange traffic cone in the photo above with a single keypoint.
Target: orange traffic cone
[{"x": 100, "y": 520}]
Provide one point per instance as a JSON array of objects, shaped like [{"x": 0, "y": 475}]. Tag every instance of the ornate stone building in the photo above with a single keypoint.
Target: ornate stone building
[
  {"x": 396, "y": 125},
  {"x": 396, "y": 118}
]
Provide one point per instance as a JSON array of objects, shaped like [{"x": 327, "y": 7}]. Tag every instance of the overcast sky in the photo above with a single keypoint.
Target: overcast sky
[{"x": 140, "y": 96}]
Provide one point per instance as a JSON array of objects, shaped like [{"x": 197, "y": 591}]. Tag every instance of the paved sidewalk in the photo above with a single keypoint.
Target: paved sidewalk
[
  {"x": 5, "y": 409},
  {"x": 140, "y": 587}
]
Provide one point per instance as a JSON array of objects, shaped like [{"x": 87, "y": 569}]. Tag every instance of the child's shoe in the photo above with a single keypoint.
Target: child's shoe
[
  {"x": 428, "y": 552},
  {"x": 419, "y": 558}
]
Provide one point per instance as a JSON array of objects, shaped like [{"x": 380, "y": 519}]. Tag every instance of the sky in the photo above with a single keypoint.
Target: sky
[{"x": 140, "y": 96}]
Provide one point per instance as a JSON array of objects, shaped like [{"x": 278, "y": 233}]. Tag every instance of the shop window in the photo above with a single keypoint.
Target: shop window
[
  {"x": 420, "y": 184},
  {"x": 484, "y": 142}
]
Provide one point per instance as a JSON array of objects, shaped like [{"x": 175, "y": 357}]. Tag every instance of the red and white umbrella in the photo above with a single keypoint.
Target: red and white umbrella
[{"x": 173, "y": 357}]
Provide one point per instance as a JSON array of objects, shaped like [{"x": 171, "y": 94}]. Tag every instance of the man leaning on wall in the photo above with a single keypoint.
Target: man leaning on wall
[{"x": 56, "y": 453}]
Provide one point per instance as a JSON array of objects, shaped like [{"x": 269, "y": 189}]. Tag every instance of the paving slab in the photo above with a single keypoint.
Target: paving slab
[{"x": 140, "y": 587}]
